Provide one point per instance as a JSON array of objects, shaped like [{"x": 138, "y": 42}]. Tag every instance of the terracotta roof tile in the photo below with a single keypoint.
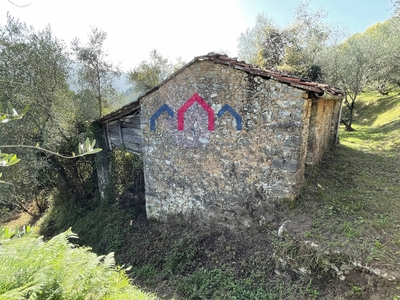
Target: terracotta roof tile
[{"x": 294, "y": 81}]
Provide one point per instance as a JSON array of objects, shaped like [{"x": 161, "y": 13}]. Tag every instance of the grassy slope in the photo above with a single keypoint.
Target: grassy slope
[{"x": 353, "y": 197}]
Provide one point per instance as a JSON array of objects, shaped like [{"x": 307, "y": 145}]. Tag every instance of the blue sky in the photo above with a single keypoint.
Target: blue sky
[
  {"x": 185, "y": 28},
  {"x": 357, "y": 15}
]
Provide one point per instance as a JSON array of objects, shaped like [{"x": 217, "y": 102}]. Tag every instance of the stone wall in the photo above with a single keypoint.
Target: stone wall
[
  {"x": 323, "y": 126},
  {"x": 226, "y": 173}
]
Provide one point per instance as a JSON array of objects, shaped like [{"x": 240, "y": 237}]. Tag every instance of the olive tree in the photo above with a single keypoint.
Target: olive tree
[
  {"x": 96, "y": 73},
  {"x": 264, "y": 44},
  {"x": 294, "y": 48},
  {"x": 150, "y": 73},
  {"x": 349, "y": 66},
  {"x": 34, "y": 69},
  {"x": 10, "y": 159}
]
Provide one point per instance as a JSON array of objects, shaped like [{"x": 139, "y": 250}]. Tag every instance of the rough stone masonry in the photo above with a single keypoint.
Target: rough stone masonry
[{"x": 233, "y": 173}]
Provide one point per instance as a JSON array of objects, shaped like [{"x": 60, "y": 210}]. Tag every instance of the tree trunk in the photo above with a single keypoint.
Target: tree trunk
[
  {"x": 382, "y": 91},
  {"x": 349, "y": 122},
  {"x": 347, "y": 125}
]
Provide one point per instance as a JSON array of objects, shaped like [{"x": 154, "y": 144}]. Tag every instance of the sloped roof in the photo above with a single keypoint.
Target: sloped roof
[
  {"x": 294, "y": 81},
  {"x": 318, "y": 89}
]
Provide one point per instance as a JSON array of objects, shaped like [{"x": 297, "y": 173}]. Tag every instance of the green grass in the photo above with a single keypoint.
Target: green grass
[
  {"x": 353, "y": 196},
  {"x": 377, "y": 124}
]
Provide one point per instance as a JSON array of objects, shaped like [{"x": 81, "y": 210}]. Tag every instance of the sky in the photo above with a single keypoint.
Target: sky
[{"x": 177, "y": 28}]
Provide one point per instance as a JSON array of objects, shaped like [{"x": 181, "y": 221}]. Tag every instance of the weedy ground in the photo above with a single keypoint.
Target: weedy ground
[{"x": 347, "y": 215}]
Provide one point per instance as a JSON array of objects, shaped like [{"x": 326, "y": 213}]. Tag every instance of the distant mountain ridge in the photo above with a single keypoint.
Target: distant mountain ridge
[{"x": 121, "y": 84}]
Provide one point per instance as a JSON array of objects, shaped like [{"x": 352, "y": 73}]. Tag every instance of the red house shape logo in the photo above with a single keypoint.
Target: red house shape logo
[{"x": 188, "y": 104}]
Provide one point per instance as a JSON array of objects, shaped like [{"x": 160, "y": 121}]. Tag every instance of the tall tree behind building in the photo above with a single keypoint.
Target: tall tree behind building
[
  {"x": 96, "y": 73},
  {"x": 293, "y": 48},
  {"x": 150, "y": 73}
]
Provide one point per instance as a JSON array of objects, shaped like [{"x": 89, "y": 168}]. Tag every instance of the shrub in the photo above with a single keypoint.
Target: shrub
[{"x": 57, "y": 269}]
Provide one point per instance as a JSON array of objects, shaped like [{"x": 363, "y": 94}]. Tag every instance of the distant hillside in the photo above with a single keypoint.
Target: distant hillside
[
  {"x": 126, "y": 89},
  {"x": 122, "y": 85}
]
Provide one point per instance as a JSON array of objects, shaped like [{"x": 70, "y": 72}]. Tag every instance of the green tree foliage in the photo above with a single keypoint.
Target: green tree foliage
[
  {"x": 57, "y": 269},
  {"x": 96, "y": 73},
  {"x": 308, "y": 35},
  {"x": 396, "y": 6},
  {"x": 348, "y": 66},
  {"x": 10, "y": 114},
  {"x": 34, "y": 67},
  {"x": 368, "y": 58},
  {"x": 294, "y": 48},
  {"x": 311, "y": 48},
  {"x": 150, "y": 73},
  {"x": 263, "y": 44},
  {"x": 7, "y": 160},
  {"x": 33, "y": 72},
  {"x": 385, "y": 41}
]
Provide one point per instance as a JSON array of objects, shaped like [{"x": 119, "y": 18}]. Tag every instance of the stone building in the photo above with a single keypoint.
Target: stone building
[{"x": 225, "y": 140}]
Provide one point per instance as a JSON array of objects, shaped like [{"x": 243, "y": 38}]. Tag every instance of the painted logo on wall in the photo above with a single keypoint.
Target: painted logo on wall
[{"x": 209, "y": 110}]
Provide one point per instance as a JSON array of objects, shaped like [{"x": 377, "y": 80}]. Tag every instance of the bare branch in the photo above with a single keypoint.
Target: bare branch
[
  {"x": 85, "y": 151},
  {"x": 20, "y": 6}
]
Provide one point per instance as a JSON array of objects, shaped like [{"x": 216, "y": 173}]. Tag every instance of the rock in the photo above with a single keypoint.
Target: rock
[{"x": 282, "y": 228}]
